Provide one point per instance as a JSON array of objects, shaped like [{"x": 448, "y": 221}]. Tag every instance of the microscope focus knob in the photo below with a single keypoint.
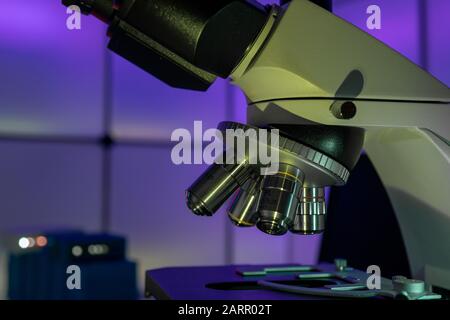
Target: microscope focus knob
[{"x": 408, "y": 286}]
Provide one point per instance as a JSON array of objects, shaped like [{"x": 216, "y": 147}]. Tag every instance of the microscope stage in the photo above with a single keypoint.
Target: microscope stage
[{"x": 240, "y": 282}]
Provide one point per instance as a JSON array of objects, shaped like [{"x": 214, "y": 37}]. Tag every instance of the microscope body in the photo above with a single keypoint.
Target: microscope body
[
  {"x": 314, "y": 68},
  {"x": 330, "y": 89}
]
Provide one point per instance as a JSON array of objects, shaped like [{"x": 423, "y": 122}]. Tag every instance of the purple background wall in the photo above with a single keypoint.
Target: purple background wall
[{"x": 56, "y": 82}]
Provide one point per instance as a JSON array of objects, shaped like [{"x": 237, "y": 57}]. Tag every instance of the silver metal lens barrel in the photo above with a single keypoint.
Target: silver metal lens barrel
[
  {"x": 242, "y": 211},
  {"x": 208, "y": 193},
  {"x": 278, "y": 200},
  {"x": 311, "y": 212}
]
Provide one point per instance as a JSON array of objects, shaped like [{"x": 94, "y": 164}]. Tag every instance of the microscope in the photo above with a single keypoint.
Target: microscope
[{"x": 330, "y": 90}]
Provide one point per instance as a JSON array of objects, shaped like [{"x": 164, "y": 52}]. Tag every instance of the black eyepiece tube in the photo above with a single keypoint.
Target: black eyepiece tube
[
  {"x": 214, "y": 35},
  {"x": 184, "y": 43}
]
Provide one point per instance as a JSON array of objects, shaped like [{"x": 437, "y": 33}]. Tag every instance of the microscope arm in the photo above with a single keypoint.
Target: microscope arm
[
  {"x": 329, "y": 72},
  {"x": 320, "y": 62}
]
